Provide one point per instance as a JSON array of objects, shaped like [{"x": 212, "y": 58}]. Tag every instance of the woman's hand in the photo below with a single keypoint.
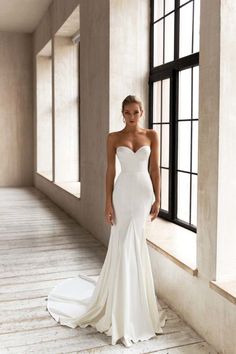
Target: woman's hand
[
  {"x": 154, "y": 210},
  {"x": 109, "y": 214}
]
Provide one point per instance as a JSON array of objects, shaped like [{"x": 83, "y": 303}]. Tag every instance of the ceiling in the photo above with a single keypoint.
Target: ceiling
[{"x": 22, "y": 15}]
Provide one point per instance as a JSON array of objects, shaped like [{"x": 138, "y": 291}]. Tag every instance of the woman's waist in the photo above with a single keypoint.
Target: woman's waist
[{"x": 134, "y": 171}]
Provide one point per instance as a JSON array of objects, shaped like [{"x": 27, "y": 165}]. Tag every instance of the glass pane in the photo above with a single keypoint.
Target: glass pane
[
  {"x": 157, "y": 102},
  {"x": 165, "y": 145},
  {"x": 164, "y": 189},
  {"x": 185, "y": 30},
  {"x": 183, "y": 2},
  {"x": 158, "y": 9},
  {"x": 195, "y": 91},
  {"x": 158, "y": 43},
  {"x": 185, "y": 94},
  {"x": 195, "y": 147},
  {"x": 157, "y": 128},
  {"x": 169, "y": 38},
  {"x": 169, "y": 5},
  {"x": 166, "y": 100},
  {"x": 183, "y": 196},
  {"x": 194, "y": 201},
  {"x": 66, "y": 109},
  {"x": 44, "y": 112},
  {"x": 184, "y": 131},
  {"x": 196, "y": 26}
]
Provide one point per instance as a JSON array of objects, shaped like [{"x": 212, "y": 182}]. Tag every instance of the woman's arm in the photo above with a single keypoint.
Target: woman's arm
[
  {"x": 155, "y": 172},
  {"x": 110, "y": 175}
]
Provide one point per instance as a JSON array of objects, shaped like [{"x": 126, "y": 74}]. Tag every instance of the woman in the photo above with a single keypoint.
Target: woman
[
  {"x": 122, "y": 303},
  {"x": 134, "y": 138}
]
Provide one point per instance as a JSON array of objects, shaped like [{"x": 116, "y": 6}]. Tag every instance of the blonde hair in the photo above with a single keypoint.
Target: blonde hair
[{"x": 132, "y": 99}]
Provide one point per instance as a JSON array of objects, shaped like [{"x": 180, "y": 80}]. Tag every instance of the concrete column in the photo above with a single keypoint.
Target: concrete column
[
  {"x": 209, "y": 76},
  {"x": 217, "y": 144},
  {"x": 226, "y": 238}
]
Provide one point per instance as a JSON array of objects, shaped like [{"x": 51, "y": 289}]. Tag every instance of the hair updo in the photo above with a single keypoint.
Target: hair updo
[{"x": 132, "y": 99}]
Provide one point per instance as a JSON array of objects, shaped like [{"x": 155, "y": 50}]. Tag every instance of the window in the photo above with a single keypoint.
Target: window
[
  {"x": 58, "y": 107},
  {"x": 44, "y": 112},
  {"x": 173, "y": 100}
]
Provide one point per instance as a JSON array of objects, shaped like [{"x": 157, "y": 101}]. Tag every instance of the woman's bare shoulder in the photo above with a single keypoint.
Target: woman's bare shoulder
[
  {"x": 151, "y": 133},
  {"x": 113, "y": 137}
]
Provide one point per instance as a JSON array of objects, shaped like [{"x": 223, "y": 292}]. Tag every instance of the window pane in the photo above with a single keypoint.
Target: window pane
[
  {"x": 195, "y": 147},
  {"x": 183, "y": 196},
  {"x": 157, "y": 102},
  {"x": 196, "y": 25},
  {"x": 44, "y": 112},
  {"x": 185, "y": 94},
  {"x": 169, "y": 5},
  {"x": 183, "y": 2},
  {"x": 164, "y": 189},
  {"x": 194, "y": 201},
  {"x": 165, "y": 145},
  {"x": 185, "y": 30},
  {"x": 158, "y": 9},
  {"x": 195, "y": 91},
  {"x": 166, "y": 100},
  {"x": 66, "y": 109},
  {"x": 157, "y": 128},
  {"x": 184, "y": 131},
  {"x": 169, "y": 38},
  {"x": 158, "y": 43}
]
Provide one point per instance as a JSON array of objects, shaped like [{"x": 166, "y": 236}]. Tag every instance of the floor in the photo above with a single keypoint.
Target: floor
[{"x": 41, "y": 245}]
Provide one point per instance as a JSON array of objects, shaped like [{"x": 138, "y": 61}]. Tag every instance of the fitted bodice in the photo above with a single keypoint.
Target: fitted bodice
[{"x": 131, "y": 161}]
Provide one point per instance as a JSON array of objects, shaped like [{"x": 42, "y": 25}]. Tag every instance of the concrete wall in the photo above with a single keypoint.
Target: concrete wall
[
  {"x": 94, "y": 110},
  {"x": 129, "y": 67},
  {"x": 226, "y": 240},
  {"x": 16, "y": 110}
]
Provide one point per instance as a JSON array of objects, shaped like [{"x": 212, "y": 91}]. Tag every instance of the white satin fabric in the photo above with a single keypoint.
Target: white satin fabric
[{"x": 121, "y": 302}]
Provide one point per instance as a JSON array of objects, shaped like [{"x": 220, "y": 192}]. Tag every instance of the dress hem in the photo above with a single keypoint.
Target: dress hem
[{"x": 64, "y": 322}]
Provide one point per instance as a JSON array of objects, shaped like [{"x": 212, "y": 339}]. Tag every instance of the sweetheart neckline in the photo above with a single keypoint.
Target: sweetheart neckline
[{"x": 134, "y": 152}]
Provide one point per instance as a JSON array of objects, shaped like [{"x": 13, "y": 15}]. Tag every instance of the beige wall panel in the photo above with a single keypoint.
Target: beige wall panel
[
  {"x": 226, "y": 240},
  {"x": 129, "y": 67},
  {"x": 16, "y": 123},
  {"x": 208, "y": 132},
  {"x": 212, "y": 316}
]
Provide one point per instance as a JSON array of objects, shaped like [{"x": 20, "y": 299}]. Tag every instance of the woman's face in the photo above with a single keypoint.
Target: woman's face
[{"x": 132, "y": 113}]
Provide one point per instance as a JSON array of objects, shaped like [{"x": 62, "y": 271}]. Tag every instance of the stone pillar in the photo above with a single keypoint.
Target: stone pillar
[
  {"x": 226, "y": 230},
  {"x": 217, "y": 140}
]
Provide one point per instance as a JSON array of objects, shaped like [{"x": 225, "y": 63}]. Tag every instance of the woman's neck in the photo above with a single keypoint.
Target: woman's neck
[{"x": 134, "y": 129}]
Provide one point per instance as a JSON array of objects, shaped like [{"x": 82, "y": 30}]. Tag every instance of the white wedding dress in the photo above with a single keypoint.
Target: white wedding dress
[{"x": 122, "y": 301}]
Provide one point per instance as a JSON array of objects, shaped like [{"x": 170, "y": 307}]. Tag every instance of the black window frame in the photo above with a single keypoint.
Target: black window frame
[{"x": 171, "y": 71}]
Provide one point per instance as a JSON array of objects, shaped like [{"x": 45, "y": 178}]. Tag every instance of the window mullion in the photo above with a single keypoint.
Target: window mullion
[{"x": 176, "y": 34}]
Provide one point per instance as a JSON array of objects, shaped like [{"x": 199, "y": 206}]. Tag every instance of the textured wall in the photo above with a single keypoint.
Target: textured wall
[
  {"x": 129, "y": 66},
  {"x": 16, "y": 116}
]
